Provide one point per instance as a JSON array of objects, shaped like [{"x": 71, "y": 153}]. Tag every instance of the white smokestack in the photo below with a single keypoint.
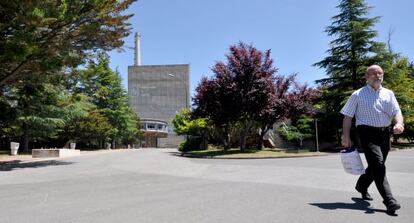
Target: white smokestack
[{"x": 137, "y": 49}]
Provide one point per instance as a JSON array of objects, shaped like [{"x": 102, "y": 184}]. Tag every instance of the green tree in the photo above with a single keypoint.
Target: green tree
[
  {"x": 351, "y": 51},
  {"x": 76, "y": 109},
  {"x": 8, "y": 127},
  {"x": 104, "y": 87},
  {"x": 39, "y": 37},
  {"x": 38, "y": 115},
  {"x": 399, "y": 76},
  {"x": 195, "y": 130},
  {"x": 93, "y": 129},
  {"x": 184, "y": 124},
  {"x": 303, "y": 130}
]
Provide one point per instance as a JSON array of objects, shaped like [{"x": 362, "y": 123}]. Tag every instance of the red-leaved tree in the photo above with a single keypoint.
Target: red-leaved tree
[
  {"x": 277, "y": 108},
  {"x": 246, "y": 91},
  {"x": 240, "y": 89},
  {"x": 301, "y": 101}
]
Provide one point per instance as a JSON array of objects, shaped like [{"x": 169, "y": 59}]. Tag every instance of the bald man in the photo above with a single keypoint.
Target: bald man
[{"x": 374, "y": 108}]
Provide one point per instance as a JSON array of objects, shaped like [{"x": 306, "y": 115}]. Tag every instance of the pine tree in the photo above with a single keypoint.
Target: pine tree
[
  {"x": 104, "y": 86},
  {"x": 352, "y": 50}
]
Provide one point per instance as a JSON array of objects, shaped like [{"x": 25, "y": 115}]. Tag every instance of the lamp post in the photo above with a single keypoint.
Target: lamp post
[
  {"x": 316, "y": 135},
  {"x": 185, "y": 88}
]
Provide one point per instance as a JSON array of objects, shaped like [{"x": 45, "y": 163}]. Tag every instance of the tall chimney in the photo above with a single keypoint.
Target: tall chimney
[{"x": 137, "y": 49}]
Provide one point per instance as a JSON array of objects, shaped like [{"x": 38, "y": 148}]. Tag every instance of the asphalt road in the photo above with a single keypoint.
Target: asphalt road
[{"x": 159, "y": 186}]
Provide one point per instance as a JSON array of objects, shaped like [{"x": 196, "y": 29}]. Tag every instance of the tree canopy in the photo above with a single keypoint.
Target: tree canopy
[
  {"x": 39, "y": 37},
  {"x": 351, "y": 51},
  {"x": 104, "y": 88},
  {"x": 246, "y": 92}
]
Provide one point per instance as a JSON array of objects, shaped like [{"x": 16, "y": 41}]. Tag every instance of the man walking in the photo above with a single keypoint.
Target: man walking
[{"x": 374, "y": 107}]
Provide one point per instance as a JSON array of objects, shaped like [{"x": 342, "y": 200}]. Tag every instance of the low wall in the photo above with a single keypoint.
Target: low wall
[{"x": 45, "y": 153}]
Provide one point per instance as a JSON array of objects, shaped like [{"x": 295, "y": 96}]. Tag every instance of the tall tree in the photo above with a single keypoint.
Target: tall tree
[
  {"x": 93, "y": 129},
  {"x": 76, "y": 110},
  {"x": 38, "y": 114},
  {"x": 399, "y": 76},
  {"x": 352, "y": 50},
  {"x": 214, "y": 101},
  {"x": 278, "y": 106},
  {"x": 104, "y": 87},
  {"x": 290, "y": 101},
  {"x": 244, "y": 85},
  {"x": 301, "y": 101},
  {"x": 39, "y": 37}
]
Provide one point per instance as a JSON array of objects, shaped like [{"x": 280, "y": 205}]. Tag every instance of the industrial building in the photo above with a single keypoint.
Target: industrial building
[{"x": 157, "y": 93}]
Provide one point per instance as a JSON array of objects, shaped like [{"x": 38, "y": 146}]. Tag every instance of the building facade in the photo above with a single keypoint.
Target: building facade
[{"x": 157, "y": 93}]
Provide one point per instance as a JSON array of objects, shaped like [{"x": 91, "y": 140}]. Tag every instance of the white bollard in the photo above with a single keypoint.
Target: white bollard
[
  {"x": 72, "y": 145},
  {"x": 14, "y": 147}
]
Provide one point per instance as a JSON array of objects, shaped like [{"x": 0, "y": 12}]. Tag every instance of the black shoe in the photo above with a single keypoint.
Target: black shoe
[
  {"x": 392, "y": 207},
  {"x": 364, "y": 194}
]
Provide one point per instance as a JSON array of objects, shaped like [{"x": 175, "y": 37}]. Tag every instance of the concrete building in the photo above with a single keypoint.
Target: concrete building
[{"x": 156, "y": 93}]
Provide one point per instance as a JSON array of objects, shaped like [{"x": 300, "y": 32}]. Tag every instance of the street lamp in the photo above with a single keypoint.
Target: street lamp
[
  {"x": 185, "y": 88},
  {"x": 316, "y": 135}
]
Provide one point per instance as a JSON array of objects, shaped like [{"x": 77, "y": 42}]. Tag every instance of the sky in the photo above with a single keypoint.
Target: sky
[{"x": 199, "y": 33}]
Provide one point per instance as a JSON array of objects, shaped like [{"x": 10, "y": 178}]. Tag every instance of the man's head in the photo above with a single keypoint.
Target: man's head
[{"x": 374, "y": 76}]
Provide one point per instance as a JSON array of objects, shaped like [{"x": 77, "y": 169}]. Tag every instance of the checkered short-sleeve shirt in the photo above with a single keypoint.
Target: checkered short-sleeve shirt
[{"x": 370, "y": 107}]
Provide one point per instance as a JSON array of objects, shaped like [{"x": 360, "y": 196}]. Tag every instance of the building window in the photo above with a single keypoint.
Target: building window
[{"x": 151, "y": 126}]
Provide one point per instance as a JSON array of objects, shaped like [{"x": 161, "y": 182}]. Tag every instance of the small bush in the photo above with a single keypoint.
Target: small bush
[{"x": 191, "y": 144}]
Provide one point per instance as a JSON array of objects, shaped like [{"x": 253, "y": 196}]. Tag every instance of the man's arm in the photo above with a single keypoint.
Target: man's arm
[
  {"x": 399, "y": 124},
  {"x": 346, "y": 128}
]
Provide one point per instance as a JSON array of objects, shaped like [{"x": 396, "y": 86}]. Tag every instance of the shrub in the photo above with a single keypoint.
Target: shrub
[{"x": 191, "y": 144}]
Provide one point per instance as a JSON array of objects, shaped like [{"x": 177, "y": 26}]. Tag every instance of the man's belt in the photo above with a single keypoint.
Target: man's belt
[{"x": 385, "y": 128}]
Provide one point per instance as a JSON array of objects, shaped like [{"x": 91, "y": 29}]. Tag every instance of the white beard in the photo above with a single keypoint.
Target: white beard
[{"x": 375, "y": 82}]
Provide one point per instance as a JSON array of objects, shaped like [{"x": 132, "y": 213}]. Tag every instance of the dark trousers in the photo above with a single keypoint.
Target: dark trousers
[{"x": 375, "y": 142}]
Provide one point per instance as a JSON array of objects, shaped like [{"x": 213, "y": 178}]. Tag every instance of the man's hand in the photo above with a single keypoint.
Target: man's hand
[
  {"x": 346, "y": 128},
  {"x": 346, "y": 141},
  {"x": 398, "y": 129}
]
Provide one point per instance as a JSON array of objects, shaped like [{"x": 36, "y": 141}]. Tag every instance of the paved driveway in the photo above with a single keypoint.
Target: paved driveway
[{"x": 158, "y": 186}]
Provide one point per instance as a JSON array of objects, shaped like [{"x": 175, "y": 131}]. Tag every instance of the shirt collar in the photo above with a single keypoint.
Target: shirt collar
[{"x": 372, "y": 89}]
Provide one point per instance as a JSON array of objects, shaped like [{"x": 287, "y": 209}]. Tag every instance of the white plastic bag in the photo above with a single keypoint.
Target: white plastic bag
[{"x": 352, "y": 161}]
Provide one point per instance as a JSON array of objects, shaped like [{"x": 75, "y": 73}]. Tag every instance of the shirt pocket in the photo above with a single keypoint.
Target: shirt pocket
[{"x": 387, "y": 105}]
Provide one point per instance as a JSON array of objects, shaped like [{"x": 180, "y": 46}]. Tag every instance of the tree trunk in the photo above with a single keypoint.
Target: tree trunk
[
  {"x": 263, "y": 132},
  {"x": 100, "y": 143},
  {"x": 260, "y": 144},
  {"x": 113, "y": 143},
  {"x": 226, "y": 141},
  {"x": 243, "y": 134},
  {"x": 25, "y": 137},
  {"x": 204, "y": 141},
  {"x": 224, "y": 136}
]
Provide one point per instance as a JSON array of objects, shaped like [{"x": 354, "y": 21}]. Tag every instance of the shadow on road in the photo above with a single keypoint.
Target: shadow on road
[
  {"x": 17, "y": 164},
  {"x": 358, "y": 204}
]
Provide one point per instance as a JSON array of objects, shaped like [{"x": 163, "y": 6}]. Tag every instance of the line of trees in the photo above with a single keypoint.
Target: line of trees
[
  {"x": 88, "y": 106},
  {"x": 45, "y": 100},
  {"x": 245, "y": 96}
]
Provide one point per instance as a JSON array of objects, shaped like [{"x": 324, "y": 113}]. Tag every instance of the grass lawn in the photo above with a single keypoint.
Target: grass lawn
[
  {"x": 4, "y": 152},
  {"x": 7, "y": 152},
  {"x": 250, "y": 154},
  {"x": 403, "y": 145}
]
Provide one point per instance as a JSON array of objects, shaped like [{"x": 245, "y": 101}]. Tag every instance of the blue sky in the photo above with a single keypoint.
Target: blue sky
[{"x": 199, "y": 32}]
